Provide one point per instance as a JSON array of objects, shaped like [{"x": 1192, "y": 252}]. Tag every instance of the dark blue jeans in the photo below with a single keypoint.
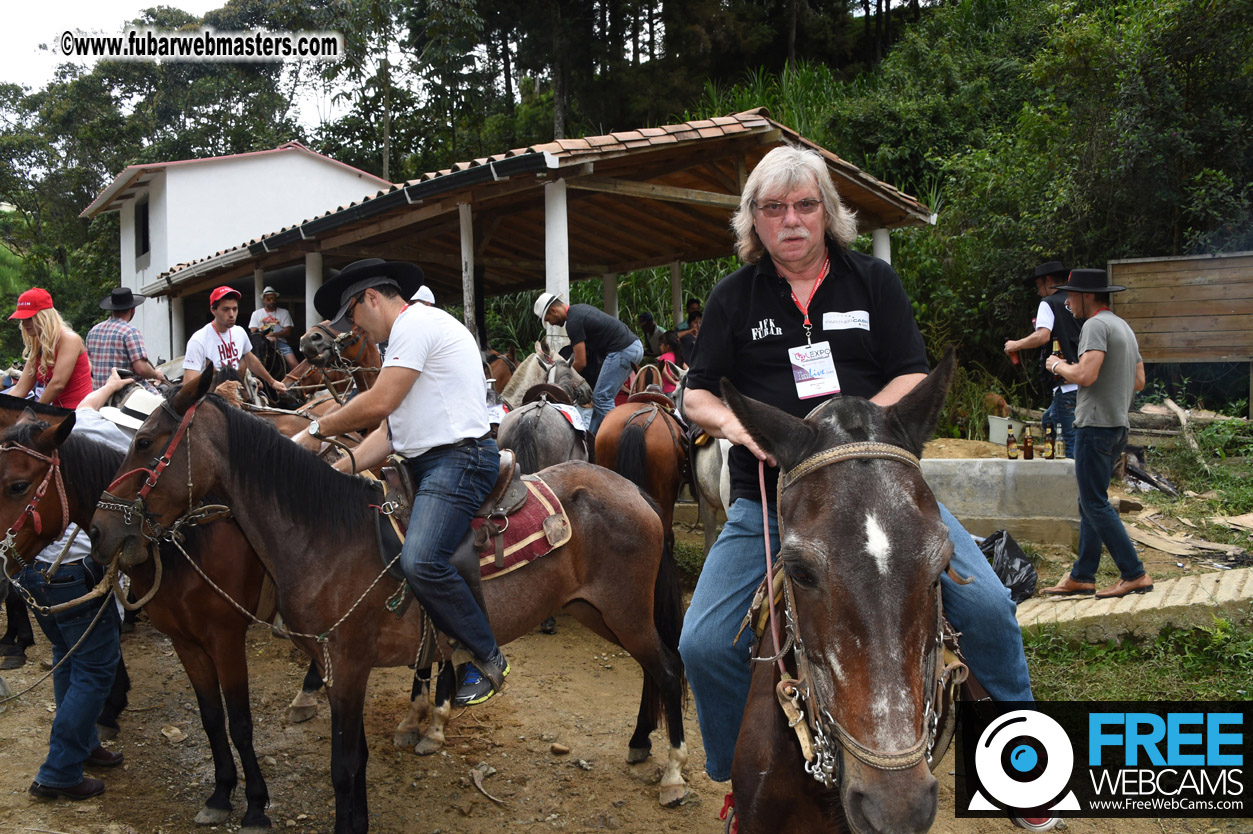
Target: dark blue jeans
[
  {"x": 1096, "y": 452},
  {"x": 83, "y": 683},
  {"x": 448, "y": 487},
  {"x": 1061, "y": 413}
]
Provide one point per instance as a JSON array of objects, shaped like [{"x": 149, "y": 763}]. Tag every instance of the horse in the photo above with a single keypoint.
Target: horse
[
  {"x": 206, "y": 631},
  {"x": 862, "y": 678},
  {"x": 541, "y": 367},
  {"x": 643, "y": 441},
  {"x": 499, "y": 367},
  {"x": 315, "y": 531},
  {"x": 712, "y": 478}
]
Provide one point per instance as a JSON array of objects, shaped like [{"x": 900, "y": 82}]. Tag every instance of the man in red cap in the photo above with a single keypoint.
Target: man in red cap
[{"x": 224, "y": 343}]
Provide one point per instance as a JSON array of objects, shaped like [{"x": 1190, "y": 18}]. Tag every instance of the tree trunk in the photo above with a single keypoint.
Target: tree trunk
[{"x": 793, "y": 13}]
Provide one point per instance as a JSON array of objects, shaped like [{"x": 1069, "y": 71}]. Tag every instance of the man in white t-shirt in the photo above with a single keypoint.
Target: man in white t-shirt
[
  {"x": 276, "y": 323},
  {"x": 430, "y": 393},
  {"x": 224, "y": 343}
]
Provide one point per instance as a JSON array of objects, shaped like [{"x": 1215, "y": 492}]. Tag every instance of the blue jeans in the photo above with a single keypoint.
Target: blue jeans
[
  {"x": 449, "y": 486},
  {"x": 1061, "y": 413},
  {"x": 613, "y": 372},
  {"x": 83, "y": 683},
  {"x": 1096, "y": 452},
  {"x": 720, "y": 672}
]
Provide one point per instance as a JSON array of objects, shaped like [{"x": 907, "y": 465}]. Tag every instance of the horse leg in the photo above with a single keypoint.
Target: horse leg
[
  {"x": 433, "y": 739},
  {"x": 349, "y": 752},
  {"x": 305, "y": 705},
  {"x": 106, "y": 725},
  {"x": 232, "y": 667},
  {"x": 204, "y": 680},
  {"x": 409, "y": 730}
]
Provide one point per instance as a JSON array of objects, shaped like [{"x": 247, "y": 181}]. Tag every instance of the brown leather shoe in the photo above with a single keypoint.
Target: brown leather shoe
[
  {"x": 101, "y": 757},
  {"x": 1141, "y": 585},
  {"x": 1069, "y": 586},
  {"x": 85, "y": 789}
]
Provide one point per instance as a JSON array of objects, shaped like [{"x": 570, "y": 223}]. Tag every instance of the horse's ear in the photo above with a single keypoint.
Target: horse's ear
[
  {"x": 54, "y": 435},
  {"x": 916, "y": 414},
  {"x": 513, "y": 354},
  {"x": 204, "y": 383},
  {"x": 788, "y": 439},
  {"x": 27, "y": 416}
]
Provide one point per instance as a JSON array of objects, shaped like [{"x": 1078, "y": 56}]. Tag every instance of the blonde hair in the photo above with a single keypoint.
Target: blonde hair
[
  {"x": 42, "y": 344},
  {"x": 781, "y": 171}
]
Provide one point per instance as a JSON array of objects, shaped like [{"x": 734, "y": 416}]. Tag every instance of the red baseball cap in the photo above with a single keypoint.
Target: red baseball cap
[
  {"x": 31, "y": 302},
  {"x": 220, "y": 293}
]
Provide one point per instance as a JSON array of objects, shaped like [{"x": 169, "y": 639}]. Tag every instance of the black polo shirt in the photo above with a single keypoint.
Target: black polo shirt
[{"x": 751, "y": 321}]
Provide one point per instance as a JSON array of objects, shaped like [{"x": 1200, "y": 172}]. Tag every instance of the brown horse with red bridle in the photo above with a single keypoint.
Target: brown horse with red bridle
[
  {"x": 315, "y": 532},
  {"x": 847, "y": 711}
]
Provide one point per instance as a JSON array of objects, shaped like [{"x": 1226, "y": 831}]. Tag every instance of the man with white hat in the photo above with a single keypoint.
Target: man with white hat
[
  {"x": 424, "y": 296},
  {"x": 116, "y": 343},
  {"x": 430, "y": 395},
  {"x": 276, "y": 323},
  {"x": 595, "y": 333}
]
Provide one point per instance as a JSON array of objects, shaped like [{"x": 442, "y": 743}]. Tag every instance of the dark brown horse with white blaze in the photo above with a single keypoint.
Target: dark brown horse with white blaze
[
  {"x": 314, "y": 531},
  {"x": 862, "y": 547},
  {"x": 206, "y": 631}
]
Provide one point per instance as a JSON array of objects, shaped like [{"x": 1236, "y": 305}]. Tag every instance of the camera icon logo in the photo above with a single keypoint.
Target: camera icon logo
[{"x": 1024, "y": 761}]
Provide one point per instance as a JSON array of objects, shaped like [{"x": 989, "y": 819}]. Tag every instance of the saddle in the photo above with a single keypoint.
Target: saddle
[
  {"x": 546, "y": 391},
  {"x": 647, "y": 397}
]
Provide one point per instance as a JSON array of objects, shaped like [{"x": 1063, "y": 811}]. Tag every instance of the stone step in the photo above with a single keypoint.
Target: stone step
[{"x": 1182, "y": 602}]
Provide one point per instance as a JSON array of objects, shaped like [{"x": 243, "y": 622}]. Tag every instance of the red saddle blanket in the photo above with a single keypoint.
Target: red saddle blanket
[{"x": 535, "y": 530}]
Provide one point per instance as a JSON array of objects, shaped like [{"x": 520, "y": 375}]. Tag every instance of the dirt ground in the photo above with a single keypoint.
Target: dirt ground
[{"x": 571, "y": 689}]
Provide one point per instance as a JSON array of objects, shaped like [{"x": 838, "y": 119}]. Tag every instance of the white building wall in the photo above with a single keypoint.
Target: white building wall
[{"x": 153, "y": 316}]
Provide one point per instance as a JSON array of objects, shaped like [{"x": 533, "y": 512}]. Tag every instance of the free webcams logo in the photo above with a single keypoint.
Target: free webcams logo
[{"x": 1024, "y": 760}]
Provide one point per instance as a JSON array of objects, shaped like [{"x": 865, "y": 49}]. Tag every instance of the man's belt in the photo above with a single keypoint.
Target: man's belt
[{"x": 458, "y": 444}]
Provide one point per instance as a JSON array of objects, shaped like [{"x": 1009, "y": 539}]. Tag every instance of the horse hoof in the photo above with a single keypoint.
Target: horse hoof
[
  {"x": 549, "y": 626},
  {"x": 408, "y": 739},
  {"x": 299, "y": 715},
  {"x": 635, "y": 755},
  {"x": 426, "y": 747},
  {"x": 212, "y": 816},
  {"x": 105, "y": 732},
  {"x": 257, "y": 829},
  {"x": 672, "y": 796}
]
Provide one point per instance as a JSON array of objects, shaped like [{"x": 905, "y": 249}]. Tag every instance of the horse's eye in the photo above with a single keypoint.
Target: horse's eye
[
  {"x": 802, "y": 575},
  {"x": 18, "y": 487},
  {"x": 143, "y": 443}
]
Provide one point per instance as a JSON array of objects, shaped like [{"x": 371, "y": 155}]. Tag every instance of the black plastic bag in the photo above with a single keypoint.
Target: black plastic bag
[{"x": 1011, "y": 565}]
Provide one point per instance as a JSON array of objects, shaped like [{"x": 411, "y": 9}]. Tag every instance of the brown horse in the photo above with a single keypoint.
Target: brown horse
[
  {"x": 206, "y": 631},
  {"x": 643, "y": 441},
  {"x": 499, "y": 367},
  {"x": 315, "y": 532},
  {"x": 861, "y": 678}
]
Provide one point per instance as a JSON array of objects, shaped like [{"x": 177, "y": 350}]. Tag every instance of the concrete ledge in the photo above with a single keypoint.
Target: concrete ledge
[
  {"x": 1035, "y": 500},
  {"x": 1184, "y": 602}
]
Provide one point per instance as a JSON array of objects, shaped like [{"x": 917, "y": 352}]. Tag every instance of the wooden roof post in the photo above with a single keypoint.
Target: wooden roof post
[
  {"x": 609, "y": 287},
  {"x": 676, "y": 293},
  {"x": 556, "y": 253},
  {"x": 466, "y": 216},
  {"x": 882, "y": 244},
  {"x": 313, "y": 280}
]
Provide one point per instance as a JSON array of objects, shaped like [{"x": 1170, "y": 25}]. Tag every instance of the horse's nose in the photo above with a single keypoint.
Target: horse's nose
[
  {"x": 904, "y": 808},
  {"x": 312, "y": 344}
]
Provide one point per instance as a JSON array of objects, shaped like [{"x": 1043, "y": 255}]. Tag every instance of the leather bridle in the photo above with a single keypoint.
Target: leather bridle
[{"x": 822, "y": 738}]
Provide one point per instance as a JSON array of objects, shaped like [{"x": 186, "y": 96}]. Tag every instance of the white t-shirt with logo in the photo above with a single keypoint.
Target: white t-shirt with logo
[
  {"x": 262, "y": 317},
  {"x": 446, "y": 403},
  {"x": 224, "y": 349}
]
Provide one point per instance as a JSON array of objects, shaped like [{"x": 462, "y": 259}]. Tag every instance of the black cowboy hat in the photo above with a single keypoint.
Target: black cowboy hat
[
  {"x": 333, "y": 297},
  {"x": 121, "y": 298},
  {"x": 1089, "y": 280},
  {"x": 1049, "y": 268}
]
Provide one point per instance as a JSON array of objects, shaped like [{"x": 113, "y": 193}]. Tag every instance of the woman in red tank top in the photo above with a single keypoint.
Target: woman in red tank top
[{"x": 57, "y": 368}]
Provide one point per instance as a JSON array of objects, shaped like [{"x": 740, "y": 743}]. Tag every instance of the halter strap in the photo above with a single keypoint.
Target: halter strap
[
  {"x": 31, "y": 510},
  {"x": 847, "y": 451},
  {"x": 162, "y": 462}
]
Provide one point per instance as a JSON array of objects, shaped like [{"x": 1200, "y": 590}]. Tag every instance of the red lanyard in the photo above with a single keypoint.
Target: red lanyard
[
  {"x": 230, "y": 348},
  {"x": 826, "y": 265}
]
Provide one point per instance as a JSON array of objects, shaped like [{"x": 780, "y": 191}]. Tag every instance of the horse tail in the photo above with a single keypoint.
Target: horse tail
[
  {"x": 524, "y": 440},
  {"x": 668, "y": 620},
  {"x": 633, "y": 455}
]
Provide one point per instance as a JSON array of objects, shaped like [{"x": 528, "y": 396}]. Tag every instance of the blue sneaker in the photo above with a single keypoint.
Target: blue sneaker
[{"x": 482, "y": 680}]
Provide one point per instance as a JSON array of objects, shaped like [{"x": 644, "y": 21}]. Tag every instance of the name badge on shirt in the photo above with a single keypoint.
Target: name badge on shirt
[
  {"x": 851, "y": 320},
  {"x": 813, "y": 370}
]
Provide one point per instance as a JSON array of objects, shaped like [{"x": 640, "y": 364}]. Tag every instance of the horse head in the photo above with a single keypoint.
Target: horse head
[
  {"x": 31, "y": 491},
  {"x": 561, "y": 373},
  {"x": 324, "y": 346},
  {"x": 161, "y": 478},
  {"x": 862, "y": 547}
]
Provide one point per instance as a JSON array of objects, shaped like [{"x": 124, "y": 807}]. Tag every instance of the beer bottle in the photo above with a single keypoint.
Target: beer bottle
[
  {"x": 1059, "y": 447},
  {"x": 1011, "y": 445},
  {"x": 1057, "y": 351},
  {"x": 1048, "y": 441},
  {"x": 1028, "y": 444}
]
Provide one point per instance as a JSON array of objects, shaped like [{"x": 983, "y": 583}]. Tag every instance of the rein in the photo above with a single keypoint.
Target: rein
[{"x": 822, "y": 738}]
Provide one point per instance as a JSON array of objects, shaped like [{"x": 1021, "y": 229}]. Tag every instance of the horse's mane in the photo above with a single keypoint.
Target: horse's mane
[
  {"x": 88, "y": 465},
  {"x": 298, "y": 483},
  {"x": 11, "y": 403}
]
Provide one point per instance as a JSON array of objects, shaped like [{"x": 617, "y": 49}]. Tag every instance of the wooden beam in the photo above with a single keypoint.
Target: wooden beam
[{"x": 647, "y": 190}]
